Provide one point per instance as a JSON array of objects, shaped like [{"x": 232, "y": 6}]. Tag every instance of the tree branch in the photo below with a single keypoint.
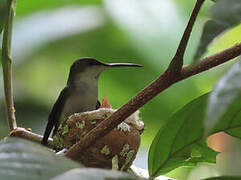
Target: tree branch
[
  {"x": 25, "y": 134},
  {"x": 7, "y": 64},
  {"x": 177, "y": 62},
  {"x": 159, "y": 85}
]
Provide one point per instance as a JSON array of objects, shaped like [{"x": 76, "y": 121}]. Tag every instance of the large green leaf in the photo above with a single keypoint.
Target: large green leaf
[
  {"x": 227, "y": 89},
  {"x": 93, "y": 174},
  {"x": 225, "y": 14},
  {"x": 181, "y": 142},
  {"x": 23, "y": 160}
]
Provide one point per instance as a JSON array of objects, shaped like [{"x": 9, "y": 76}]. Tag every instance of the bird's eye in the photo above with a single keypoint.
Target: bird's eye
[{"x": 93, "y": 63}]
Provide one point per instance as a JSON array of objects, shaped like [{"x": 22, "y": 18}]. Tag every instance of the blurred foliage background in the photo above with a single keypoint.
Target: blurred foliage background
[{"x": 49, "y": 35}]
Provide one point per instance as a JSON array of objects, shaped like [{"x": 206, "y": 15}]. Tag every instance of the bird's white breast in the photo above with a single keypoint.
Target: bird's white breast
[{"x": 82, "y": 98}]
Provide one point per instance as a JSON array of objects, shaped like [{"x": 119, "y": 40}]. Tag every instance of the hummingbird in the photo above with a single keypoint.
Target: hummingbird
[{"x": 80, "y": 93}]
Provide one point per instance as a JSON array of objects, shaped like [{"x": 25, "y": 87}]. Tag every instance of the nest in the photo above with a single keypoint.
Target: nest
[{"x": 116, "y": 150}]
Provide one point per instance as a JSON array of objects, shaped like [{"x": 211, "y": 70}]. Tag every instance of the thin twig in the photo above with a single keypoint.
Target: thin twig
[
  {"x": 26, "y": 134},
  {"x": 159, "y": 85},
  {"x": 177, "y": 61},
  {"x": 7, "y": 64}
]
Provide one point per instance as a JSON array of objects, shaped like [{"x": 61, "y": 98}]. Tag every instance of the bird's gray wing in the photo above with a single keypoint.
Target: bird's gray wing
[{"x": 54, "y": 116}]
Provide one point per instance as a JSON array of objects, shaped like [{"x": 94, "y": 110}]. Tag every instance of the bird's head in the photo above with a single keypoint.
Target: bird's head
[{"x": 89, "y": 69}]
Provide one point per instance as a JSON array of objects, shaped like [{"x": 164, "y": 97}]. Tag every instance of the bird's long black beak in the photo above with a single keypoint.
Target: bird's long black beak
[{"x": 122, "y": 65}]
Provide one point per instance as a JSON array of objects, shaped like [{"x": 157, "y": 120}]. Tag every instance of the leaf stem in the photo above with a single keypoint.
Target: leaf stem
[{"x": 7, "y": 64}]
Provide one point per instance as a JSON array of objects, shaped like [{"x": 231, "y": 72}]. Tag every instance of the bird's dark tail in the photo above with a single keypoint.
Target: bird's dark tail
[{"x": 47, "y": 132}]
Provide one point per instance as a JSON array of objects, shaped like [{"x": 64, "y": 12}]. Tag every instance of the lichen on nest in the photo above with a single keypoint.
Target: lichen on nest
[{"x": 122, "y": 142}]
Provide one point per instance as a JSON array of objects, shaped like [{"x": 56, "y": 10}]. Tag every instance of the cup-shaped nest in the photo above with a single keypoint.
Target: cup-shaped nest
[{"x": 115, "y": 150}]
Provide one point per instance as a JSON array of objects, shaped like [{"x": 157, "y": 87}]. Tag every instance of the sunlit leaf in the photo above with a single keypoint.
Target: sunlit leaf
[
  {"x": 179, "y": 142},
  {"x": 225, "y": 92},
  {"x": 51, "y": 25},
  {"x": 225, "y": 14},
  {"x": 24, "y": 160},
  {"x": 93, "y": 174}
]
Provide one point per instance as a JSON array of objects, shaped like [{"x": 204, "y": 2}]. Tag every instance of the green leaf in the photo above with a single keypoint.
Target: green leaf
[
  {"x": 24, "y": 160},
  {"x": 93, "y": 174},
  {"x": 224, "y": 178},
  {"x": 179, "y": 142},
  {"x": 225, "y": 14},
  {"x": 224, "y": 95},
  {"x": 3, "y": 14}
]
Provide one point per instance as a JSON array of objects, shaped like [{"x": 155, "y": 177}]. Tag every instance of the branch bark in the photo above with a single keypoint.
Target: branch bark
[
  {"x": 159, "y": 85},
  {"x": 7, "y": 64},
  {"x": 25, "y": 134}
]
